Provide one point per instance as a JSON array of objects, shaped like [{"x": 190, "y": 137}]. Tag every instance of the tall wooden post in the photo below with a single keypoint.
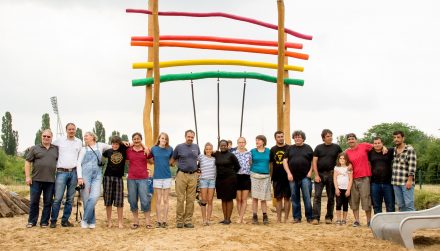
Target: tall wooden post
[
  {"x": 281, "y": 59},
  {"x": 286, "y": 126},
  {"x": 149, "y": 89},
  {"x": 156, "y": 69}
]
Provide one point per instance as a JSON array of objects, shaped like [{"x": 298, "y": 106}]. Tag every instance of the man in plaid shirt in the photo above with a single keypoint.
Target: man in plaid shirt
[{"x": 404, "y": 169}]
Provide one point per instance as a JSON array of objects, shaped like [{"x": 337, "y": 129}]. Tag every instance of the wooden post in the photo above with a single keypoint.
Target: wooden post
[
  {"x": 156, "y": 69},
  {"x": 149, "y": 89},
  {"x": 286, "y": 130},
  {"x": 280, "y": 73}
]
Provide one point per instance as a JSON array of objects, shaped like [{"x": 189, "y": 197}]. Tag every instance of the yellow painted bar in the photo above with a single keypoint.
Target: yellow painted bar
[{"x": 165, "y": 64}]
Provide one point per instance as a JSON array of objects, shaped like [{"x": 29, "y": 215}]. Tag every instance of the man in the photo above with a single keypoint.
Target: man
[
  {"x": 297, "y": 163},
  {"x": 381, "y": 170},
  {"x": 324, "y": 161},
  {"x": 281, "y": 188},
  {"x": 186, "y": 155},
  {"x": 43, "y": 159},
  {"x": 66, "y": 179},
  {"x": 404, "y": 169}
]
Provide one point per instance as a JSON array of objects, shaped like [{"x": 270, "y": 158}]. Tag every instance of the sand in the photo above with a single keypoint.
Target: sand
[{"x": 275, "y": 236}]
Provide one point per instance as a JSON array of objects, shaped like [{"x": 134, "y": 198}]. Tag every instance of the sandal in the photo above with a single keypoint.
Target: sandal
[
  {"x": 149, "y": 226},
  {"x": 158, "y": 224},
  {"x": 134, "y": 226}
]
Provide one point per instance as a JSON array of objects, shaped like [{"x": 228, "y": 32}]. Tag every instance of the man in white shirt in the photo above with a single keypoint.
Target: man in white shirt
[{"x": 66, "y": 177}]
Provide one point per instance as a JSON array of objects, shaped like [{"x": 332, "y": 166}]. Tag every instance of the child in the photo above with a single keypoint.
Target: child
[
  {"x": 207, "y": 182},
  {"x": 342, "y": 178},
  {"x": 113, "y": 184}
]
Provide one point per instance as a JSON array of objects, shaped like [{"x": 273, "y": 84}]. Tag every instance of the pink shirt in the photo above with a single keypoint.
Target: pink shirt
[
  {"x": 137, "y": 168},
  {"x": 359, "y": 160}
]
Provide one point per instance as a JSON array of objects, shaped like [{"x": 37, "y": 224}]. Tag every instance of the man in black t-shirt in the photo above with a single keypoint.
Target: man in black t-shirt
[
  {"x": 324, "y": 161},
  {"x": 297, "y": 163},
  {"x": 281, "y": 188},
  {"x": 381, "y": 172}
]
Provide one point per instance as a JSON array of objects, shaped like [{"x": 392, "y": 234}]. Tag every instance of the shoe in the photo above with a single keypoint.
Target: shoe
[
  {"x": 158, "y": 224},
  {"x": 315, "y": 222},
  {"x": 92, "y": 226},
  {"x": 368, "y": 224},
  {"x": 227, "y": 222},
  {"x": 265, "y": 219},
  {"x": 84, "y": 224},
  {"x": 44, "y": 225},
  {"x": 53, "y": 225},
  {"x": 222, "y": 222},
  {"x": 188, "y": 225},
  {"x": 343, "y": 222},
  {"x": 164, "y": 225},
  {"x": 67, "y": 224},
  {"x": 356, "y": 224},
  {"x": 295, "y": 221},
  {"x": 338, "y": 222},
  {"x": 254, "y": 219},
  {"x": 328, "y": 221},
  {"x": 179, "y": 225},
  {"x": 30, "y": 225}
]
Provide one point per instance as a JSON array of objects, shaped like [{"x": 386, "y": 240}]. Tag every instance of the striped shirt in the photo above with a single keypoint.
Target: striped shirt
[
  {"x": 404, "y": 165},
  {"x": 207, "y": 167},
  {"x": 244, "y": 158}
]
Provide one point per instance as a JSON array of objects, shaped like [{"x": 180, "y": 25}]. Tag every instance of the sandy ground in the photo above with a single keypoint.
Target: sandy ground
[{"x": 287, "y": 236}]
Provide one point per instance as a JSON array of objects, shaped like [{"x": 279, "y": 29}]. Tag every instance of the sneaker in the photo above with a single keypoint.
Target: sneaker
[
  {"x": 315, "y": 222},
  {"x": 84, "y": 224},
  {"x": 158, "y": 224},
  {"x": 30, "y": 225},
  {"x": 179, "y": 225},
  {"x": 328, "y": 221},
  {"x": 188, "y": 225},
  {"x": 338, "y": 222},
  {"x": 295, "y": 221},
  {"x": 254, "y": 219},
  {"x": 67, "y": 224},
  {"x": 265, "y": 219},
  {"x": 356, "y": 224},
  {"x": 164, "y": 225},
  {"x": 92, "y": 226},
  {"x": 227, "y": 222},
  {"x": 53, "y": 225},
  {"x": 44, "y": 225}
]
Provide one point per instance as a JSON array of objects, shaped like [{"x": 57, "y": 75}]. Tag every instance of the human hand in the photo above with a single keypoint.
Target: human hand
[
  {"x": 28, "y": 181},
  {"x": 347, "y": 193},
  {"x": 408, "y": 185},
  {"x": 309, "y": 174},
  {"x": 290, "y": 177},
  {"x": 80, "y": 181},
  {"x": 317, "y": 179},
  {"x": 337, "y": 192}
]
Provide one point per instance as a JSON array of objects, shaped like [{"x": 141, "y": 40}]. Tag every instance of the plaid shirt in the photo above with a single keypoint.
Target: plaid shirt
[{"x": 404, "y": 165}]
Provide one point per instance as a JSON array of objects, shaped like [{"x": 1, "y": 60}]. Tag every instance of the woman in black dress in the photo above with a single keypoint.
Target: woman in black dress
[{"x": 226, "y": 182}]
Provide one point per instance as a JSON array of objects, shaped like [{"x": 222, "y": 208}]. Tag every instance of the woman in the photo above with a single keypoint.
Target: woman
[
  {"x": 137, "y": 180},
  {"x": 207, "y": 182},
  {"x": 161, "y": 154},
  {"x": 260, "y": 178},
  {"x": 243, "y": 177},
  {"x": 90, "y": 175},
  {"x": 226, "y": 181}
]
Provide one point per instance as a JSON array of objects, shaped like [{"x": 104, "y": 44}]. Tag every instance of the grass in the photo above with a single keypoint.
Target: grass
[{"x": 424, "y": 199}]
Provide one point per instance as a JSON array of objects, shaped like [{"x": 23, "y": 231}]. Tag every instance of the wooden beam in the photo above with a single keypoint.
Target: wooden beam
[
  {"x": 281, "y": 58},
  {"x": 148, "y": 129},
  {"x": 286, "y": 129},
  {"x": 156, "y": 70}
]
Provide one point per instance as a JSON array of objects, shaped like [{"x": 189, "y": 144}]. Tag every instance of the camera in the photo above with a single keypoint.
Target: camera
[{"x": 79, "y": 187}]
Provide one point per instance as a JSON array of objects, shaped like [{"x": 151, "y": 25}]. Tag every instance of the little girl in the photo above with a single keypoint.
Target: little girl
[
  {"x": 207, "y": 182},
  {"x": 342, "y": 178}
]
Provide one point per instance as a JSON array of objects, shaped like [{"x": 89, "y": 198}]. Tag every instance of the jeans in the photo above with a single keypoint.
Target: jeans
[
  {"x": 404, "y": 198},
  {"x": 138, "y": 190},
  {"x": 92, "y": 177},
  {"x": 64, "y": 181},
  {"x": 36, "y": 188},
  {"x": 306, "y": 187},
  {"x": 380, "y": 193},
  {"x": 327, "y": 182}
]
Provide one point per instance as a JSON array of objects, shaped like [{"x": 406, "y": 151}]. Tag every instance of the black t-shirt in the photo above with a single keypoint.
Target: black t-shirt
[
  {"x": 116, "y": 161},
  {"x": 227, "y": 164},
  {"x": 327, "y": 155},
  {"x": 276, "y": 158},
  {"x": 381, "y": 166},
  {"x": 300, "y": 160}
]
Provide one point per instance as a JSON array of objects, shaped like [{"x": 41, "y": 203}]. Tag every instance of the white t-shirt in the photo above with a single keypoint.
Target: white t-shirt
[
  {"x": 342, "y": 177},
  {"x": 68, "y": 151},
  {"x": 101, "y": 147}
]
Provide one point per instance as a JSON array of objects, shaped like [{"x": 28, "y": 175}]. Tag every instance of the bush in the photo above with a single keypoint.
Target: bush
[
  {"x": 426, "y": 199},
  {"x": 11, "y": 169}
]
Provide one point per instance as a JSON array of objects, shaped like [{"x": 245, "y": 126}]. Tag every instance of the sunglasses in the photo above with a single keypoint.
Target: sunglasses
[{"x": 47, "y": 136}]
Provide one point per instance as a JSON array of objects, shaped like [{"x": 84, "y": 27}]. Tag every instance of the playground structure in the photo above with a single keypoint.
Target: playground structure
[{"x": 153, "y": 78}]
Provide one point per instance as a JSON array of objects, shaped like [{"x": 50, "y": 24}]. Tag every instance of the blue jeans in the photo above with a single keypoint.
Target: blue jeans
[
  {"x": 404, "y": 198},
  {"x": 138, "y": 190},
  {"x": 64, "y": 181},
  {"x": 92, "y": 177},
  {"x": 380, "y": 193},
  {"x": 36, "y": 188},
  {"x": 306, "y": 187}
]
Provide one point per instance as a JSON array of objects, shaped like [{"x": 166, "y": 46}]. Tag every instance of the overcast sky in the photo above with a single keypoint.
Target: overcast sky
[{"x": 370, "y": 62}]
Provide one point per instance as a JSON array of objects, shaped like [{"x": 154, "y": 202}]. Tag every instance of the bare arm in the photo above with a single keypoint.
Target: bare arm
[
  {"x": 350, "y": 182},
  {"x": 287, "y": 169},
  {"x": 27, "y": 172},
  {"x": 315, "y": 169},
  {"x": 335, "y": 183}
]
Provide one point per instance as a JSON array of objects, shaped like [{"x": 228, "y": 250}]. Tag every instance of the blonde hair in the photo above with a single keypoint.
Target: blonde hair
[
  {"x": 95, "y": 138},
  {"x": 166, "y": 138},
  {"x": 47, "y": 130}
]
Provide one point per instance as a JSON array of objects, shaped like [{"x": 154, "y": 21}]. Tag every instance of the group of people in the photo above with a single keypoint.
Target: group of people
[{"x": 365, "y": 174}]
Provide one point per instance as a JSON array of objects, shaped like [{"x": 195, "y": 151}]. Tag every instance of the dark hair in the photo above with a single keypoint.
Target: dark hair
[
  {"x": 377, "y": 138},
  {"x": 398, "y": 132},
  {"x": 351, "y": 135},
  {"x": 263, "y": 138},
  {"x": 136, "y": 134},
  {"x": 277, "y": 132},
  {"x": 116, "y": 140},
  {"x": 229, "y": 141},
  {"x": 222, "y": 140},
  {"x": 325, "y": 132},
  {"x": 189, "y": 131},
  {"x": 69, "y": 124},
  {"x": 347, "y": 161},
  {"x": 299, "y": 133}
]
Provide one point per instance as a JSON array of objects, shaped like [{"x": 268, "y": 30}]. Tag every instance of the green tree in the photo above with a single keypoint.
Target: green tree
[
  {"x": 79, "y": 133},
  {"x": 124, "y": 137},
  {"x": 114, "y": 133},
  {"x": 9, "y": 136},
  {"x": 385, "y": 131},
  {"x": 45, "y": 124},
  {"x": 99, "y": 130},
  {"x": 342, "y": 142}
]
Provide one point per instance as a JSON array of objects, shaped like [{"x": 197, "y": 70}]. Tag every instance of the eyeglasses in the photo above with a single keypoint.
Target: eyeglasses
[
  {"x": 47, "y": 136},
  {"x": 241, "y": 142}
]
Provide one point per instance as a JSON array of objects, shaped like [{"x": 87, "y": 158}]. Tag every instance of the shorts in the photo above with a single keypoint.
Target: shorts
[
  {"x": 207, "y": 183},
  {"x": 360, "y": 191},
  {"x": 113, "y": 192},
  {"x": 281, "y": 189},
  {"x": 162, "y": 183},
  {"x": 243, "y": 182}
]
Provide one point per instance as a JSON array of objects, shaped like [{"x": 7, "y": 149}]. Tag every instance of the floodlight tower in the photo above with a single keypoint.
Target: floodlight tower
[{"x": 60, "y": 131}]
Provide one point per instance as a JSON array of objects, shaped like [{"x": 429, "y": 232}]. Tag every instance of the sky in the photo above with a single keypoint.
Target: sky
[{"x": 370, "y": 62}]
